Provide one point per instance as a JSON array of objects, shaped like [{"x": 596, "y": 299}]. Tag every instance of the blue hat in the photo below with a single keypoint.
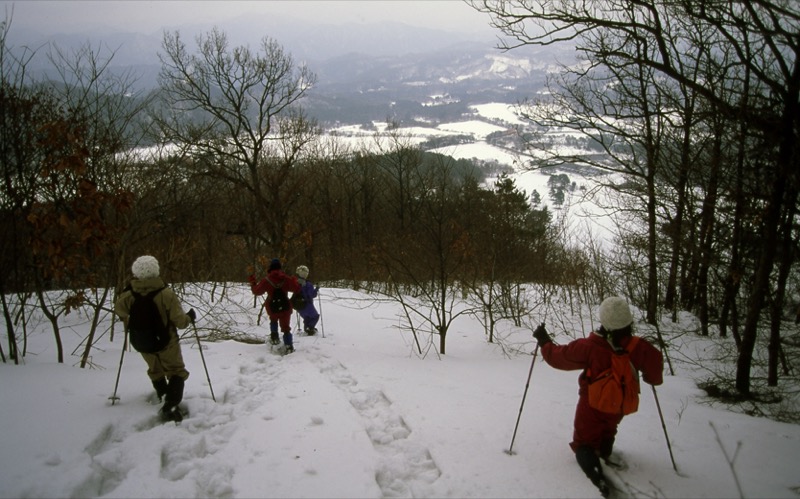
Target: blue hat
[{"x": 274, "y": 264}]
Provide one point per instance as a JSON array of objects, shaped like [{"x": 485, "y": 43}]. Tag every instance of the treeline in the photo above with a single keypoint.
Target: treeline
[{"x": 238, "y": 175}]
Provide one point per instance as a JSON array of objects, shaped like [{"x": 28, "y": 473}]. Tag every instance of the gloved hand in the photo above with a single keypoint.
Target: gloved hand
[
  {"x": 541, "y": 335},
  {"x": 192, "y": 315},
  {"x": 251, "y": 279}
]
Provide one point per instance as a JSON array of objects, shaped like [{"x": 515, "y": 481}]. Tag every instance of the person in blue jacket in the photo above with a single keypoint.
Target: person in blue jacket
[{"x": 308, "y": 312}]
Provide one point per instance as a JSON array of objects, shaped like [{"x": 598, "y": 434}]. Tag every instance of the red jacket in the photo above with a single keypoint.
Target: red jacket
[
  {"x": 594, "y": 428},
  {"x": 267, "y": 285},
  {"x": 594, "y": 353}
]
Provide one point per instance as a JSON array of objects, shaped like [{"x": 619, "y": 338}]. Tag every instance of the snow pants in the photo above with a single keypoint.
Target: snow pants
[
  {"x": 166, "y": 363},
  {"x": 310, "y": 316},
  {"x": 593, "y": 428},
  {"x": 284, "y": 321}
]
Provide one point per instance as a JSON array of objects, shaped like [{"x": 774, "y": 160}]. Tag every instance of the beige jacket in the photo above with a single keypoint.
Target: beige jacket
[{"x": 168, "y": 304}]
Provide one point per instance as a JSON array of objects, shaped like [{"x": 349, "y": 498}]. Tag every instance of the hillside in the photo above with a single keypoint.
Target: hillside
[{"x": 355, "y": 412}]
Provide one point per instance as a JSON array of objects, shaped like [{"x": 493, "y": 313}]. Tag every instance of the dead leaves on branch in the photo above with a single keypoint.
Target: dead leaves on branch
[{"x": 72, "y": 222}]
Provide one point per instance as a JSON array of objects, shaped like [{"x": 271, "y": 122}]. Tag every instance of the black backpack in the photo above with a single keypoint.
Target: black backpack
[
  {"x": 298, "y": 301},
  {"x": 147, "y": 332},
  {"x": 278, "y": 302}
]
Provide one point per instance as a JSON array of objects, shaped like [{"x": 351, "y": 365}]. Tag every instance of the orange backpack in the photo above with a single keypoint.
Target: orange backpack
[{"x": 616, "y": 389}]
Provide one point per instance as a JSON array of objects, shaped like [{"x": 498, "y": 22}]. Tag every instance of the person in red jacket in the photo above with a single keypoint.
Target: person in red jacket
[
  {"x": 595, "y": 431},
  {"x": 277, "y": 279}
]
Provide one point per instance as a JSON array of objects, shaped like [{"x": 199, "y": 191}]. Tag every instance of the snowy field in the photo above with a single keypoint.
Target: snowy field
[
  {"x": 356, "y": 413},
  {"x": 581, "y": 216}
]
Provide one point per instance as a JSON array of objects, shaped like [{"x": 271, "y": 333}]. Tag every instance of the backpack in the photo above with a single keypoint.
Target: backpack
[
  {"x": 298, "y": 301},
  {"x": 616, "y": 389},
  {"x": 147, "y": 332},
  {"x": 279, "y": 301}
]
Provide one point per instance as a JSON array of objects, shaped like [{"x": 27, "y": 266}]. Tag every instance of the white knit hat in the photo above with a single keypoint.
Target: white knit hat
[
  {"x": 615, "y": 313},
  {"x": 302, "y": 271},
  {"x": 145, "y": 267}
]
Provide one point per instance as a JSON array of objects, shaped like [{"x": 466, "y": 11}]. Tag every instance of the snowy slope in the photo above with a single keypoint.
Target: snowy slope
[{"x": 356, "y": 413}]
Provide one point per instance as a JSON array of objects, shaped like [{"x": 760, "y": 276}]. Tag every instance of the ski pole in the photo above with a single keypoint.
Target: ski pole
[
  {"x": 664, "y": 426},
  {"x": 321, "y": 321},
  {"x": 203, "y": 358},
  {"x": 524, "y": 394},
  {"x": 113, "y": 398}
]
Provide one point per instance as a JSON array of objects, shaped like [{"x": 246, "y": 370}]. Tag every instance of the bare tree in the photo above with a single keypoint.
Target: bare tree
[
  {"x": 422, "y": 260},
  {"x": 62, "y": 195},
  {"x": 764, "y": 42},
  {"x": 232, "y": 112}
]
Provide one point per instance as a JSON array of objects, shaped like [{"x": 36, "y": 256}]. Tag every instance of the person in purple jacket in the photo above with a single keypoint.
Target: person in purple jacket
[{"x": 308, "y": 312}]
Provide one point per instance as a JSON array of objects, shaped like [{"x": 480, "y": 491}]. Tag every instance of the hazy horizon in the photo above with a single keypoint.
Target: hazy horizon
[{"x": 77, "y": 16}]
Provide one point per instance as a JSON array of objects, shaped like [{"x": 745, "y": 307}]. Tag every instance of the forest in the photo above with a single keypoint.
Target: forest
[{"x": 691, "y": 108}]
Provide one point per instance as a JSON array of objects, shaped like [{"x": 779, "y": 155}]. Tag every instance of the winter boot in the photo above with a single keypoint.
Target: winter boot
[
  {"x": 615, "y": 461},
  {"x": 310, "y": 331},
  {"x": 173, "y": 397},
  {"x": 287, "y": 341},
  {"x": 590, "y": 464},
  {"x": 160, "y": 385},
  {"x": 171, "y": 414},
  {"x": 274, "y": 339}
]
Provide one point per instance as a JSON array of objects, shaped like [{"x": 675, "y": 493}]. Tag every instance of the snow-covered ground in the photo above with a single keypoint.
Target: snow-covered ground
[
  {"x": 498, "y": 111},
  {"x": 356, "y": 413}
]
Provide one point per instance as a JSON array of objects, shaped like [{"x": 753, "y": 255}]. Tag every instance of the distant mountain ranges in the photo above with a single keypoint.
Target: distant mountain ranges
[{"x": 365, "y": 72}]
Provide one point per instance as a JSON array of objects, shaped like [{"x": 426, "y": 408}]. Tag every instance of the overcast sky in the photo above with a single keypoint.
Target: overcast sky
[{"x": 150, "y": 16}]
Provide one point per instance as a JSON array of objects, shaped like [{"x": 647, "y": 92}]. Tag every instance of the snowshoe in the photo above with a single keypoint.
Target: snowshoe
[
  {"x": 616, "y": 462},
  {"x": 174, "y": 414},
  {"x": 275, "y": 340},
  {"x": 281, "y": 349},
  {"x": 603, "y": 486},
  {"x": 310, "y": 331}
]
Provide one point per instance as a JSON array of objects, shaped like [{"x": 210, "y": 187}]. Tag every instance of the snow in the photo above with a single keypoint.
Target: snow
[
  {"x": 479, "y": 129},
  {"x": 498, "y": 111},
  {"x": 480, "y": 150},
  {"x": 501, "y": 64},
  {"x": 356, "y": 137},
  {"x": 355, "y": 412}
]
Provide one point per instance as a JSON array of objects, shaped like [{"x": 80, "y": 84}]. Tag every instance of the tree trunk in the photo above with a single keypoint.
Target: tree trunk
[
  {"x": 97, "y": 309},
  {"x": 707, "y": 228},
  {"x": 676, "y": 231},
  {"x": 12, "y": 341},
  {"x": 53, "y": 318},
  {"x": 774, "y": 346},
  {"x": 786, "y": 174}
]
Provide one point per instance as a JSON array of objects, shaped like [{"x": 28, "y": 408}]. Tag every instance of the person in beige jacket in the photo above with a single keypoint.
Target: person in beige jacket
[{"x": 165, "y": 367}]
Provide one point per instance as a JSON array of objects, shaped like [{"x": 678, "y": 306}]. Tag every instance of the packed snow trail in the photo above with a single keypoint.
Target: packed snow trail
[
  {"x": 406, "y": 468},
  {"x": 264, "y": 386}
]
